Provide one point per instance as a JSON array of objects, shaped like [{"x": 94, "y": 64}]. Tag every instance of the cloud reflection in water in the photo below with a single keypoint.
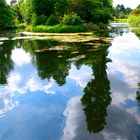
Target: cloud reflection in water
[{"x": 121, "y": 123}]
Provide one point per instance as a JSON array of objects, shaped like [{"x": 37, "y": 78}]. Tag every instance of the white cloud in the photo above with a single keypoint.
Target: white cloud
[
  {"x": 127, "y": 3},
  {"x": 121, "y": 123},
  {"x": 127, "y": 72},
  {"x": 31, "y": 84},
  {"x": 72, "y": 113},
  {"x": 82, "y": 76},
  {"x": 34, "y": 85},
  {"x": 124, "y": 70},
  {"x": 125, "y": 56},
  {"x": 48, "y": 89},
  {"x": 127, "y": 43},
  {"x": 14, "y": 87},
  {"x": 13, "y": 81},
  {"x": 20, "y": 57},
  {"x": 6, "y": 103}
]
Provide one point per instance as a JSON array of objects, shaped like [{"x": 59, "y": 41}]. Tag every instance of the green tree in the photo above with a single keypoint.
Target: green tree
[
  {"x": 121, "y": 12},
  {"x": 83, "y": 8},
  {"x": 27, "y": 10},
  {"x": 20, "y": 12},
  {"x": 24, "y": 11},
  {"x": 6, "y": 15},
  {"x": 38, "y": 11},
  {"x": 92, "y": 10},
  {"x": 136, "y": 11},
  {"x": 60, "y": 7}
]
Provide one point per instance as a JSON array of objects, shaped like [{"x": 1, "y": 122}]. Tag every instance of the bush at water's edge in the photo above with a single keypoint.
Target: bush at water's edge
[
  {"x": 60, "y": 28},
  {"x": 134, "y": 21}
]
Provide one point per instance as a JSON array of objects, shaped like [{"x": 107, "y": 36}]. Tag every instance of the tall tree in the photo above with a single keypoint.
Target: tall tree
[{"x": 6, "y": 15}]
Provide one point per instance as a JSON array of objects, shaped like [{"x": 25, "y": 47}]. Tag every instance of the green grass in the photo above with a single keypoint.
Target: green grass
[
  {"x": 134, "y": 21},
  {"x": 20, "y": 26},
  {"x": 63, "y": 28},
  {"x": 123, "y": 20},
  {"x": 137, "y": 32}
]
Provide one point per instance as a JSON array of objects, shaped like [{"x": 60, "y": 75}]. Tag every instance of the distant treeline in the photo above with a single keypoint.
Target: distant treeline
[{"x": 120, "y": 12}]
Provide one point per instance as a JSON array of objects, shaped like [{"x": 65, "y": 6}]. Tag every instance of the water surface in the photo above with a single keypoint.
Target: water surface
[{"x": 70, "y": 91}]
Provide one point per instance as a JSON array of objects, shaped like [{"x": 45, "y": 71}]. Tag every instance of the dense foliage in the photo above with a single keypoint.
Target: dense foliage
[
  {"x": 6, "y": 15},
  {"x": 71, "y": 19},
  {"x": 136, "y": 11},
  {"x": 38, "y": 12},
  {"x": 135, "y": 17}
]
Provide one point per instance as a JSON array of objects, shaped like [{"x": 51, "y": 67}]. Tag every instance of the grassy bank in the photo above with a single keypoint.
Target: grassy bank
[
  {"x": 60, "y": 28},
  {"x": 122, "y": 20},
  {"x": 137, "y": 32},
  {"x": 20, "y": 26},
  {"x": 134, "y": 21}
]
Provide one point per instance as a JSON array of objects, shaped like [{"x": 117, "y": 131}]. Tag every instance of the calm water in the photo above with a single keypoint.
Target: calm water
[{"x": 73, "y": 92}]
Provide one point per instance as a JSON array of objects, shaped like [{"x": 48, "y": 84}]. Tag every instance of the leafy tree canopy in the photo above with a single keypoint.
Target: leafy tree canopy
[
  {"x": 6, "y": 15},
  {"x": 95, "y": 11}
]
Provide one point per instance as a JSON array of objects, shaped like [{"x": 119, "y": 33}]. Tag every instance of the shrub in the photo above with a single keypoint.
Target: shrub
[
  {"x": 72, "y": 29},
  {"x": 102, "y": 26},
  {"x": 21, "y": 25},
  {"x": 52, "y": 20},
  {"x": 91, "y": 26},
  {"x": 59, "y": 28},
  {"x": 38, "y": 20},
  {"x": 71, "y": 19},
  {"x": 40, "y": 28},
  {"x": 134, "y": 21},
  {"x": 29, "y": 28}
]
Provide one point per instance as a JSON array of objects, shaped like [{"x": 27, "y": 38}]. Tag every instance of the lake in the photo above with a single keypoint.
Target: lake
[{"x": 52, "y": 90}]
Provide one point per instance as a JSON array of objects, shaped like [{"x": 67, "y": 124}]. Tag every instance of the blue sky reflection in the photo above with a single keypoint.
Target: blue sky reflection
[{"x": 27, "y": 108}]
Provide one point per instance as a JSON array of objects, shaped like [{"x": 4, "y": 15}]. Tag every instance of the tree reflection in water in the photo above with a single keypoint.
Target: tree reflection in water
[
  {"x": 53, "y": 64},
  {"x": 96, "y": 96},
  {"x": 6, "y": 63},
  {"x": 56, "y": 64},
  {"x": 53, "y": 60},
  {"x": 138, "y": 94}
]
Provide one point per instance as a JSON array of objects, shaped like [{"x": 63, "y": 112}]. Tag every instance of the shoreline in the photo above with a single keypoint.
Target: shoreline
[
  {"x": 64, "y": 37},
  {"x": 60, "y": 37},
  {"x": 27, "y": 33}
]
